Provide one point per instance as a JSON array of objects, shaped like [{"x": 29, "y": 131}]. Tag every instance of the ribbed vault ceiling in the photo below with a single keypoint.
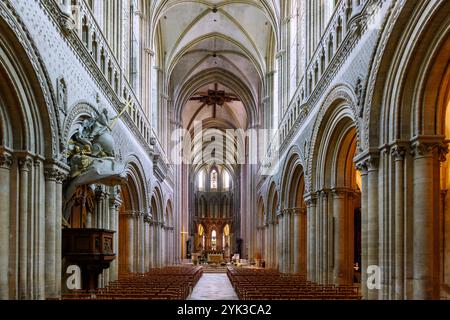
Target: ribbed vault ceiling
[{"x": 231, "y": 35}]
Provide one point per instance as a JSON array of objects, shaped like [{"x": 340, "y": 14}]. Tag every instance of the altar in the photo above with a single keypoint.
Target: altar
[{"x": 215, "y": 257}]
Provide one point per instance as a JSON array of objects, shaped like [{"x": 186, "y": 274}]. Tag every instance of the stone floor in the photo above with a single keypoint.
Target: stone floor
[{"x": 213, "y": 286}]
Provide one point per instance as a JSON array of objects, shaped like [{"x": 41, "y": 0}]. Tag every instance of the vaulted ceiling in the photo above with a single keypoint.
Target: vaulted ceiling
[{"x": 224, "y": 43}]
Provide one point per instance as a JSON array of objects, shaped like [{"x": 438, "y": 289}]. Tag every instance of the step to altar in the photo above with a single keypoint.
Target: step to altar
[{"x": 214, "y": 269}]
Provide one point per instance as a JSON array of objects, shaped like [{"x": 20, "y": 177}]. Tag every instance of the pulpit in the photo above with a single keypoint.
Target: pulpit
[{"x": 91, "y": 249}]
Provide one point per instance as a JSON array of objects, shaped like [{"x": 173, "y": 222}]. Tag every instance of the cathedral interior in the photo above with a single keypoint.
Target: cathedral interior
[{"x": 299, "y": 147}]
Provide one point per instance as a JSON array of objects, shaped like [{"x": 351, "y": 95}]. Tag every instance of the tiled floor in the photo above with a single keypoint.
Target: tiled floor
[{"x": 213, "y": 286}]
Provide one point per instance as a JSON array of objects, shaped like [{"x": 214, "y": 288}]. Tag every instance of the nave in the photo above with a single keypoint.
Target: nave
[{"x": 306, "y": 140}]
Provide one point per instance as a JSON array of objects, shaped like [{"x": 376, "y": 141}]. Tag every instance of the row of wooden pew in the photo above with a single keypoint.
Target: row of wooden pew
[
  {"x": 262, "y": 284},
  {"x": 169, "y": 283}
]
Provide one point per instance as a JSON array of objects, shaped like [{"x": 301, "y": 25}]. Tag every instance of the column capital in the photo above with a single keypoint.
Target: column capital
[
  {"x": 297, "y": 211},
  {"x": 56, "y": 171},
  {"x": 25, "y": 161},
  {"x": 115, "y": 198},
  {"x": 443, "y": 150},
  {"x": 362, "y": 168},
  {"x": 324, "y": 191},
  {"x": 423, "y": 147},
  {"x": 6, "y": 159},
  {"x": 100, "y": 192},
  {"x": 339, "y": 192},
  {"x": 310, "y": 199},
  {"x": 398, "y": 152},
  {"x": 368, "y": 160},
  {"x": 420, "y": 149},
  {"x": 128, "y": 214},
  {"x": 147, "y": 219}
]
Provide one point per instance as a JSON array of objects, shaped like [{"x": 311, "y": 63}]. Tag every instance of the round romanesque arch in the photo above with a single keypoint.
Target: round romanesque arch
[
  {"x": 31, "y": 171},
  {"x": 336, "y": 223},
  {"x": 406, "y": 123}
]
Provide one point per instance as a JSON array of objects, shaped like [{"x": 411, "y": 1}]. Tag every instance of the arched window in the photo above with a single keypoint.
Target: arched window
[
  {"x": 293, "y": 48},
  {"x": 214, "y": 185},
  {"x": 226, "y": 180},
  {"x": 154, "y": 92},
  {"x": 134, "y": 46},
  {"x": 201, "y": 180}
]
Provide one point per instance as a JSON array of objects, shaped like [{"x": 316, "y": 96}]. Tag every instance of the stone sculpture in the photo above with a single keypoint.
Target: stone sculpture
[{"x": 91, "y": 155}]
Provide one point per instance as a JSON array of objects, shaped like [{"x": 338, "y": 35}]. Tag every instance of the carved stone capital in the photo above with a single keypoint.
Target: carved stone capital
[
  {"x": 339, "y": 192},
  {"x": 147, "y": 219},
  {"x": 56, "y": 171},
  {"x": 398, "y": 152},
  {"x": 310, "y": 199},
  {"x": 6, "y": 159},
  {"x": 420, "y": 149},
  {"x": 362, "y": 168},
  {"x": 128, "y": 214},
  {"x": 367, "y": 161},
  {"x": 25, "y": 163},
  {"x": 443, "y": 150},
  {"x": 115, "y": 202}
]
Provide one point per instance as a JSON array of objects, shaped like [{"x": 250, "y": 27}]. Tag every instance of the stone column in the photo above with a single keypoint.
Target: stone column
[
  {"x": 326, "y": 250},
  {"x": 6, "y": 162},
  {"x": 362, "y": 168},
  {"x": 99, "y": 207},
  {"x": 310, "y": 201},
  {"x": 372, "y": 222},
  {"x": 151, "y": 243},
  {"x": 115, "y": 202},
  {"x": 147, "y": 222},
  {"x": 297, "y": 244},
  {"x": 25, "y": 165},
  {"x": 279, "y": 260},
  {"x": 423, "y": 217},
  {"x": 156, "y": 244},
  {"x": 340, "y": 237},
  {"x": 289, "y": 238},
  {"x": 51, "y": 175},
  {"x": 398, "y": 154},
  {"x": 62, "y": 175},
  {"x": 38, "y": 274},
  {"x": 269, "y": 244},
  {"x": 53, "y": 213},
  {"x": 319, "y": 238},
  {"x": 142, "y": 240},
  {"x": 129, "y": 220},
  {"x": 303, "y": 242}
]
